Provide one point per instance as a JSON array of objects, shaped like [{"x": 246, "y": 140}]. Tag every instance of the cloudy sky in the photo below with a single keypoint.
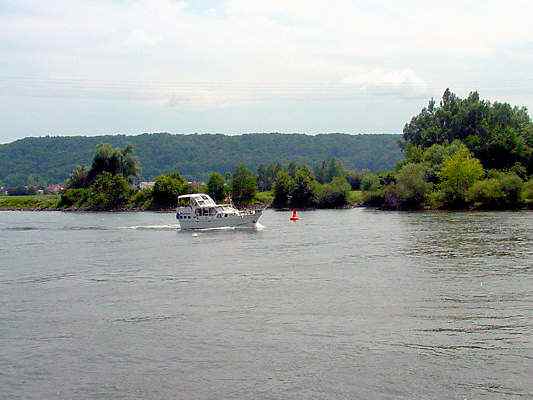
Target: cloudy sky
[{"x": 234, "y": 66}]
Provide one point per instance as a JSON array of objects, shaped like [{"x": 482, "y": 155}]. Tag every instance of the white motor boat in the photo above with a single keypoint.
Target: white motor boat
[{"x": 199, "y": 211}]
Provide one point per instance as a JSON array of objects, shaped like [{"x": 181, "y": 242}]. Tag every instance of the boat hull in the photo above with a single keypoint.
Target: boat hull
[{"x": 213, "y": 222}]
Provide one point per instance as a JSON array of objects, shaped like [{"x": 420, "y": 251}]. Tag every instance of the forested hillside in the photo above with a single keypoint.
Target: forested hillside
[{"x": 51, "y": 159}]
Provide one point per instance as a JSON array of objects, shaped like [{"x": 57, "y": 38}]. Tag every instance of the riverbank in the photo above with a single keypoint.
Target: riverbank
[
  {"x": 52, "y": 203},
  {"x": 30, "y": 203},
  {"x": 356, "y": 198}
]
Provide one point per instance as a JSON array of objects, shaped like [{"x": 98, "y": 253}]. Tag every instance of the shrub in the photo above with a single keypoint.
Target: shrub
[
  {"x": 527, "y": 193},
  {"x": 354, "y": 179},
  {"x": 374, "y": 198},
  {"x": 166, "y": 190},
  {"x": 142, "y": 199},
  {"x": 459, "y": 172},
  {"x": 502, "y": 190},
  {"x": 282, "y": 188},
  {"x": 487, "y": 194},
  {"x": 108, "y": 192},
  {"x": 411, "y": 187},
  {"x": 216, "y": 187},
  {"x": 370, "y": 182},
  {"x": 334, "y": 194},
  {"x": 243, "y": 186},
  {"x": 77, "y": 198},
  {"x": 304, "y": 191}
]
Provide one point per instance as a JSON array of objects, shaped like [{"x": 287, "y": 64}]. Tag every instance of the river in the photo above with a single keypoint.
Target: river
[{"x": 347, "y": 304}]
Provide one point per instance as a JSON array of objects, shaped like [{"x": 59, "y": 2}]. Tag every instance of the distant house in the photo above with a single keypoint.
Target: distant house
[
  {"x": 146, "y": 185},
  {"x": 55, "y": 188},
  {"x": 195, "y": 185}
]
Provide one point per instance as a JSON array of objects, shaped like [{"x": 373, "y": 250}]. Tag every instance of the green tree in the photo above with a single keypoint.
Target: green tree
[
  {"x": 243, "y": 186},
  {"x": 354, "y": 179},
  {"x": 498, "y": 134},
  {"x": 114, "y": 161},
  {"x": 109, "y": 192},
  {"x": 334, "y": 194},
  {"x": 216, "y": 187},
  {"x": 266, "y": 175},
  {"x": 412, "y": 187},
  {"x": 527, "y": 193},
  {"x": 282, "y": 188},
  {"x": 78, "y": 178},
  {"x": 458, "y": 174},
  {"x": 370, "y": 182},
  {"x": 166, "y": 190},
  {"x": 487, "y": 193},
  {"x": 325, "y": 171},
  {"x": 303, "y": 193}
]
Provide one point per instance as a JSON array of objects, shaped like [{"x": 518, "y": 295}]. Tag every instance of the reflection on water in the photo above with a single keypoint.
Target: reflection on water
[{"x": 343, "y": 304}]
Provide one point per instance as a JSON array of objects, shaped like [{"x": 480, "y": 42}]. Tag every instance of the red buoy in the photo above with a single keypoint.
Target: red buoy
[{"x": 294, "y": 217}]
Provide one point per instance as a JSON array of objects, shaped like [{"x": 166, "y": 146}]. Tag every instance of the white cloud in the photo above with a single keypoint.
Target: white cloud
[{"x": 245, "y": 51}]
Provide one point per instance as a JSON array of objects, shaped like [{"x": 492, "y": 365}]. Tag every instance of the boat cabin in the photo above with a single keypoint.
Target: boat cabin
[{"x": 196, "y": 201}]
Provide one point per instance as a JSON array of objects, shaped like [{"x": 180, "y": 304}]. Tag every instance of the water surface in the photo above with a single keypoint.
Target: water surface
[{"x": 351, "y": 304}]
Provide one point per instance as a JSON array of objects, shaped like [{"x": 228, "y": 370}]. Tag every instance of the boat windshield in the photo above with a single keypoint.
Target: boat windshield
[{"x": 184, "y": 202}]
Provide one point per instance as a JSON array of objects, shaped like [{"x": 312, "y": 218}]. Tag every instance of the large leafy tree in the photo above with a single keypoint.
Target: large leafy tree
[
  {"x": 243, "y": 186},
  {"x": 216, "y": 186},
  {"x": 266, "y": 175},
  {"x": 498, "y": 134},
  {"x": 78, "y": 178},
  {"x": 108, "y": 192},
  {"x": 325, "y": 171},
  {"x": 282, "y": 188},
  {"x": 166, "y": 190},
  {"x": 303, "y": 193},
  {"x": 114, "y": 161}
]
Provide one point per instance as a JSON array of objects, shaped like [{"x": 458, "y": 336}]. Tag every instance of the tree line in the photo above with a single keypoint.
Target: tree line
[
  {"x": 460, "y": 154},
  {"x": 108, "y": 184},
  {"x": 50, "y": 159}
]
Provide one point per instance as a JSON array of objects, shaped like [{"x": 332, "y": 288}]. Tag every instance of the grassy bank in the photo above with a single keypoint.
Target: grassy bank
[
  {"x": 355, "y": 198},
  {"x": 34, "y": 202}
]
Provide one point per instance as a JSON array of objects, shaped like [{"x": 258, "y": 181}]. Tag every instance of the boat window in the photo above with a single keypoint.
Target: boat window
[{"x": 184, "y": 202}]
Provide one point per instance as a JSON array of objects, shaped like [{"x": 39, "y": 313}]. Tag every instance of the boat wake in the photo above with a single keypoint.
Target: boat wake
[{"x": 164, "y": 227}]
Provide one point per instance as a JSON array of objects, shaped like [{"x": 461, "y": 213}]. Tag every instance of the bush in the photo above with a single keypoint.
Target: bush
[
  {"x": 108, "y": 192},
  {"x": 370, "y": 182},
  {"x": 459, "y": 172},
  {"x": 411, "y": 187},
  {"x": 263, "y": 198},
  {"x": 142, "y": 199},
  {"x": 354, "y": 179},
  {"x": 166, "y": 190},
  {"x": 76, "y": 198},
  {"x": 487, "y": 194},
  {"x": 527, "y": 193},
  {"x": 216, "y": 187},
  {"x": 303, "y": 194},
  {"x": 243, "y": 186},
  {"x": 282, "y": 189},
  {"x": 374, "y": 198},
  {"x": 502, "y": 190},
  {"x": 334, "y": 194}
]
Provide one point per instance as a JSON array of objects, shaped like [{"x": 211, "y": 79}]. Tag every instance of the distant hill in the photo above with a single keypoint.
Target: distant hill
[{"x": 51, "y": 159}]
